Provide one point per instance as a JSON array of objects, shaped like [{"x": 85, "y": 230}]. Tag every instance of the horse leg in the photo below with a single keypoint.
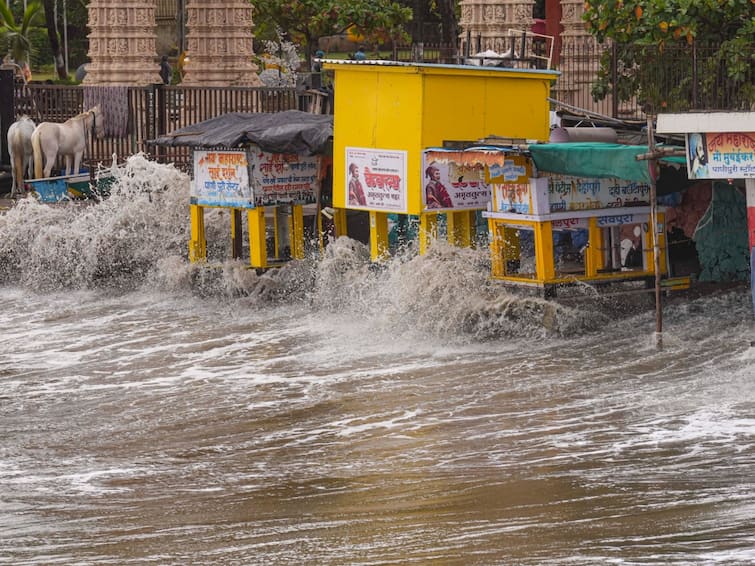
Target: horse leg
[
  {"x": 29, "y": 166},
  {"x": 16, "y": 172},
  {"x": 49, "y": 161},
  {"x": 68, "y": 164},
  {"x": 76, "y": 163}
]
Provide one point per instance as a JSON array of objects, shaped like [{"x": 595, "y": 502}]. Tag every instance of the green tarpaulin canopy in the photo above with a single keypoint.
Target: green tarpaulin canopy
[{"x": 595, "y": 159}]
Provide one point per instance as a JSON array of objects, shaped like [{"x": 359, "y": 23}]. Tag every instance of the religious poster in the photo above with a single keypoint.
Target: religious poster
[
  {"x": 221, "y": 178},
  {"x": 721, "y": 156},
  {"x": 579, "y": 193},
  {"x": 449, "y": 186},
  {"x": 376, "y": 179},
  {"x": 279, "y": 178}
]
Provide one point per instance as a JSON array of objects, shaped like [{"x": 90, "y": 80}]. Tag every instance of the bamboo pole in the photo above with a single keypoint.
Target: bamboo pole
[{"x": 656, "y": 240}]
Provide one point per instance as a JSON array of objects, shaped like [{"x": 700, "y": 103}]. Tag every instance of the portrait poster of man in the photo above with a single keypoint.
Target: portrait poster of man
[
  {"x": 450, "y": 187},
  {"x": 376, "y": 179},
  {"x": 727, "y": 155}
]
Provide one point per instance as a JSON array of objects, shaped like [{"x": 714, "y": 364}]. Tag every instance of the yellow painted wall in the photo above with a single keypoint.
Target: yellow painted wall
[{"x": 413, "y": 107}]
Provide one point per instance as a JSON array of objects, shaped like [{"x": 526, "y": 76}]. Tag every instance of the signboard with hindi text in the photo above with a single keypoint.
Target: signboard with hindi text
[
  {"x": 376, "y": 179},
  {"x": 578, "y": 193},
  {"x": 279, "y": 178},
  {"x": 721, "y": 156},
  {"x": 221, "y": 178},
  {"x": 238, "y": 178}
]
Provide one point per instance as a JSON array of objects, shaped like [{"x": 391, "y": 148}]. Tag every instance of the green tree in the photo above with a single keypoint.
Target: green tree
[
  {"x": 18, "y": 34},
  {"x": 52, "y": 35},
  {"x": 306, "y": 21},
  {"x": 725, "y": 29}
]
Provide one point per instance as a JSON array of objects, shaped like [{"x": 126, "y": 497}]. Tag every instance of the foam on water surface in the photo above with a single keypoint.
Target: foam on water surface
[{"x": 332, "y": 412}]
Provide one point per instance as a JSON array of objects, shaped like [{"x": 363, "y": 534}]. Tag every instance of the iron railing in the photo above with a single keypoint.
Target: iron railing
[
  {"x": 152, "y": 111},
  {"x": 620, "y": 81}
]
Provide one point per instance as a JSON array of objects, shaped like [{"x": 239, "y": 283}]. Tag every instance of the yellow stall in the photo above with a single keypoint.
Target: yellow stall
[
  {"x": 265, "y": 168},
  {"x": 564, "y": 213},
  {"x": 387, "y": 113}
]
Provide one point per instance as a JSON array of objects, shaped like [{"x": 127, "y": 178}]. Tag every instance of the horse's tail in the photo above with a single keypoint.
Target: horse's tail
[{"x": 37, "y": 149}]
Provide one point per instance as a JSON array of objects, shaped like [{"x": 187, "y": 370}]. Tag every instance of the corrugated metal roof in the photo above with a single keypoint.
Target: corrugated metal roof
[{"x": 387, "y": 63}]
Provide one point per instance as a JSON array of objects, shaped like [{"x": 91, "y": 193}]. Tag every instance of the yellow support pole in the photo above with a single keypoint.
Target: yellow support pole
[
  {"x": 379, "y": 247},
  {"x": 593, "y": 253},
  {"x": 198, "y": 242},
  {"x": 341, "y": 223},
  {"x": 460, "y": 228},
  {"x": 296, "y": 232},
  {"x": 257, "y": 244},
  {"x": 497, "y": 252},
  {"x": 545, "y": 268},
  {"x": 428, "y": 230}
]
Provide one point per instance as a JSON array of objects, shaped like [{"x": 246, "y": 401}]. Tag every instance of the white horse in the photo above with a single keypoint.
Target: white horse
[
  {"x": 68, "y": 139},
  {"x": 20, "y": 151}
]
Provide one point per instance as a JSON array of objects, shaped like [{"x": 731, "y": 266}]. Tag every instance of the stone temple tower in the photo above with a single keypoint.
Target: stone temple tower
[{"x": 122, "y": 43}]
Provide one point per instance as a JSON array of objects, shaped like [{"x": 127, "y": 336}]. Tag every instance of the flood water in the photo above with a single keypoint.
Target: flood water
[{"x": 152, "y": 412}]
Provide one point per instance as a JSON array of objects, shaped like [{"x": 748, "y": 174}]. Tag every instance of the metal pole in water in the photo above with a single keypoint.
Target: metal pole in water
[{"x": 656, "y": 242}]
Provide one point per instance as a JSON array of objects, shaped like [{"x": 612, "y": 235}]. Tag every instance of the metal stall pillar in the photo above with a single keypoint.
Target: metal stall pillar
[
  {"x": 296, "y": 231},
  {"x": 198, "y": 242},
  {"x": 379, "y": 245},
  {"x": 237, "y": 236},
  {"x": 257, "y": 241},
  {"x": 428, "y": 230},
  {"x": 545, "y": 267},
  {"x": 461, "y": 228},
  {"x": 594, "y": 253}
]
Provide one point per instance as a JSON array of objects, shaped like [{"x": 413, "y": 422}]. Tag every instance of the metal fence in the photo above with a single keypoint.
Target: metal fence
[
  {"x": 620, "y": 81},
  {"x": 151, "y": 111},
  {"x": 627, "y": 81}
]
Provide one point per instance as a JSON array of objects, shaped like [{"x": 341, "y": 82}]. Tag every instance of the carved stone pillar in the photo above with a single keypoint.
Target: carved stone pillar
[
  {"x": 219, "y": 41},
  {"x": 487, "y": 23},
  {"x": 122, "y": 43},
  {"x": 579, "y": 57}
]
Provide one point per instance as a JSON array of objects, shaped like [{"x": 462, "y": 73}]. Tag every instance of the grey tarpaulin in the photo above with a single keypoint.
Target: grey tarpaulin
[{"x": 291, "y": 131}]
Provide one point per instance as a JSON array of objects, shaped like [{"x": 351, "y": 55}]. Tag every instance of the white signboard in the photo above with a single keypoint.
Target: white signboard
[
  {"x": 284, "y": 178},
  {"x": 578, "y": 193},
  {"x": 221, "y": 178},
  {"x": 376, "y": 179}
]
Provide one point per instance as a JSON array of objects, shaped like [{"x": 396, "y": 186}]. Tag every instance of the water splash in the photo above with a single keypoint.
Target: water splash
[
  {"x": 138, "y": 238},
  {"x": 114, "y": 243}
]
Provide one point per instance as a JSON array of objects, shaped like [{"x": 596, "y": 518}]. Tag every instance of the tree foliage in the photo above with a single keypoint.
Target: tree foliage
[
  {"x": 724, "y": 30},
  {"x": 18, "y": 34},
  {"x": 306, "y": 21}
]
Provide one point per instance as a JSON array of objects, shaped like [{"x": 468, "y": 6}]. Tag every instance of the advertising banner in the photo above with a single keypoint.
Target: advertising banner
[
  {"x": 376, "y": 179},
  {"x": 280, "y": 178},
  {"x": 750, "y": 192},
  {"x": 577, "y": 193},
  {"x": 221, "y": 178},
  {"x": 721, "y": 156},
  {"x": 448, "y": 186}
]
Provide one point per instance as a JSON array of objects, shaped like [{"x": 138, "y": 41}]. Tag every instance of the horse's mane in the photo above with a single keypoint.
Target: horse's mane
[{"x": 94, "y": 110}]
